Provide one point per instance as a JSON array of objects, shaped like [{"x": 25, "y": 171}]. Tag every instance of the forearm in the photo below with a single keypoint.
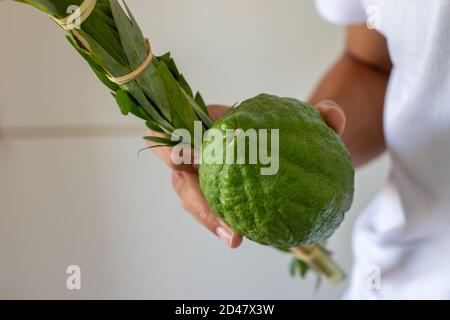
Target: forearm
[{"x": 360, "y": 90}]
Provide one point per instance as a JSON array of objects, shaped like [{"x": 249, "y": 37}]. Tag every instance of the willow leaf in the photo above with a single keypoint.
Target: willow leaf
[
  {"x": 103, "y": 58},
  {"x": 55, "y": 8},
  {"x": 131, "y": 37},
  {"x": 106, "y": 36},
  {"x": 183, "y": 115},
  {"x": 163, "y": 141},
  {"x": 153, "y": 126},
  {"x": 201, "y": 113},
  {"x": 200, "y": 102},
  {"x": 94, "y": 66}
]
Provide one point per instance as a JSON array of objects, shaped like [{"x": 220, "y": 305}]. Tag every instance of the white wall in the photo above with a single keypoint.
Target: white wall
[{"x": 74, "y": 191}]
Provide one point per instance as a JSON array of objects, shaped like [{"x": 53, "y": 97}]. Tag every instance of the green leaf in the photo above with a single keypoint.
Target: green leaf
[
  {"x": 128, "y": 105},
  {"x": 162, "y": 141},
  {"x": 153, "y": 126},
  {"x": 200, "y": 102},
  {"x": 131, "y": 37},
  {"x": 304, "y": 268},
  {"x": 154, "y": 89},
  {"x": 298, "y": 267},
  {"x": 104, "y": 14},
  {"x": 293, "y": 268},
  {"x": 136, "y": 91},
  {"x": 184, "y": 84},
  {"x": 204, "y": 116},
  {"x": 94, "y": 66},
  {"x": 125, "y": 103},
  {"x": 103, "y": 57},
  {"x": 55, "y": 8},
  {"x": 105, "y": 35},
  {"x": 181, "y": 108}
]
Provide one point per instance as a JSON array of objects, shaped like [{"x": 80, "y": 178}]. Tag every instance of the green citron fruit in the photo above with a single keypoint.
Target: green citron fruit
[{"x": 305, "y": 201}]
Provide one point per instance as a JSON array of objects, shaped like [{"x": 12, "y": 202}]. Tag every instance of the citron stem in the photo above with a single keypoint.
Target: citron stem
[{"x": 319, "y": 260}]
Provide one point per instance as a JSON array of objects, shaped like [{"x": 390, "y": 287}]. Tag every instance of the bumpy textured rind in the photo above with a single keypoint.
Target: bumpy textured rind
[{"x": 306, "y": 200}]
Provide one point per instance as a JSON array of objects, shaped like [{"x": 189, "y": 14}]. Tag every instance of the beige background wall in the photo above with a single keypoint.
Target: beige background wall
[{"x": 74, "y": 191}]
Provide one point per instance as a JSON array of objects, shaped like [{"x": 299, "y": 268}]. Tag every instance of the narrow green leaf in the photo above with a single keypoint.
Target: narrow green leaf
[
  {"x": 103, "y": 58},
  {"x": 183, "y": 115},
  {"x": 124, "y": 101},
  {"x": 105, "y": 35},
  {"x": 128, "y": 105},
  {"x": 136, "y": 91},
  {"x": 168, "y": 60},
  {"x": 154, "y": 89},
  {"x": 293, "y": 268},
  {"x": 185, "y": 85},
  {"x": 200, "y": 102},
  {"x": 201, "y": 113},
  {"x": 162, "y": 141},
  {"x": 304, "y": 268},
  {"x": 94, "y": 66},
  {"x": 153, "y": 126},
  {"x": 131, "y": 37},
  {"x": 55, "y": 8}
]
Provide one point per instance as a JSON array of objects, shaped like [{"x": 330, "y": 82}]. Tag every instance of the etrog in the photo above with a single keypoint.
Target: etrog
[{"x": 305, "y": 201}]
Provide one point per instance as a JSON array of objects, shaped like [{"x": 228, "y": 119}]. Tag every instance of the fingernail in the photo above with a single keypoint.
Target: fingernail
[
  {"x": 328, "y": 103},
  {"x": 225, "y": 235}
]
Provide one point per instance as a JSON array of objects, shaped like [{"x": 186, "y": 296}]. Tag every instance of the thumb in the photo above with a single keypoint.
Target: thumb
[
  {"x": 217, "y": 110},
  {"x": 333, "y": 115}
]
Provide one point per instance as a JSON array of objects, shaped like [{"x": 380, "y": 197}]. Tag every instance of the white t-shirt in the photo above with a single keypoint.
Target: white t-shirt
[{"x": 405, "y": 231}]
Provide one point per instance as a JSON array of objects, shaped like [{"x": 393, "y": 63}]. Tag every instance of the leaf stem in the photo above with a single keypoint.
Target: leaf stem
[{"x": 320, "y": 260}]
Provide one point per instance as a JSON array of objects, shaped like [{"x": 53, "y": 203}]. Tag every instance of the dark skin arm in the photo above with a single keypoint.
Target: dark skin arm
[{"x": 357, "y": 85}]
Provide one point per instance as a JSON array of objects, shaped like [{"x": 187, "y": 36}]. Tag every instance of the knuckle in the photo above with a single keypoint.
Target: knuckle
[
  {"x": 177, "y": 180},
  {"x": 204, "y": 214},
  {"x": 207, "y": 218}
]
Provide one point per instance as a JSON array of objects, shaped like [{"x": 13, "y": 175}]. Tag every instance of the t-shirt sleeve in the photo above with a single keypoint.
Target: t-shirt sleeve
[{"x": 342, "y": 12}]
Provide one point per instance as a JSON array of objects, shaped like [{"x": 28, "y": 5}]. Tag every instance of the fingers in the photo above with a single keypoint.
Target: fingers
[
  {"x": 165, "y": 154},
  {"x": 188, "y": 189},
  {"x": 186, "y": 184},
  {"x": 333, "y": 115},
  {"x": 217, "y": 110}
]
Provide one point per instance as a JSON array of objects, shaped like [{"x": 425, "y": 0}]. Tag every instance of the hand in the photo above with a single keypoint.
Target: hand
[
  {"x": 333, "y": 115},
  {"x": 186, "y": 184}
]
